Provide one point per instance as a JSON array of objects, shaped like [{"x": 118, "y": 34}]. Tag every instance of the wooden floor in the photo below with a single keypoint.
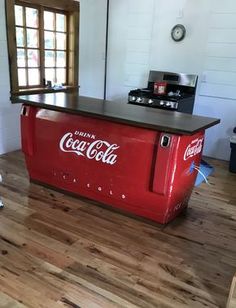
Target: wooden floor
[{"x": 58, "y": 251}]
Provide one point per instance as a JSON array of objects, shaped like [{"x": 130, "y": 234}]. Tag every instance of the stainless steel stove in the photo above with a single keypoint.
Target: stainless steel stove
[{"x": 178, "y": 92}]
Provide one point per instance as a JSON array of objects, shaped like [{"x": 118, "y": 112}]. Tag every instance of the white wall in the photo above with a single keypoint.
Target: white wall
[
  {"x": 92, "y": 47},
  {"x": 130, "y": 38},
  {"x": 217, "y": 95},
  {"x": 140, "y": 40},
  {"x": 9, "y": 114}
]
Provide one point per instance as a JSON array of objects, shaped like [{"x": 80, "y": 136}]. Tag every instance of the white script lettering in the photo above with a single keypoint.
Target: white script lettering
[
  {"x": 98, "y": 150},
  {"x": 194, "y": 148}
]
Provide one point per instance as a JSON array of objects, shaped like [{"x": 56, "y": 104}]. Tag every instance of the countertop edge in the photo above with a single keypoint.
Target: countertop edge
[{"x": 114, "y": 119}]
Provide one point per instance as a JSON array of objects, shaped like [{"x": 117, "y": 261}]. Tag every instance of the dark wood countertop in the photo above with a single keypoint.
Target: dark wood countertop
[{"x": 167, "y": 121}]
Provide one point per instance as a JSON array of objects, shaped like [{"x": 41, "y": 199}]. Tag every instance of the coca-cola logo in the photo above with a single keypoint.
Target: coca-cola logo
[
  {"x": 194, "y": 148},
  {"x": 98, "y": 150}
]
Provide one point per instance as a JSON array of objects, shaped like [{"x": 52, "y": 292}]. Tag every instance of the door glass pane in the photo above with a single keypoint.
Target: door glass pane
[
  {"x": 21, "y": 62},
  {"x": 49, "y": 58},
  {"x": 33, "y": 58},
  {"x": 32, "y": 17},
  {"x": 60, "y": 22},
  {"x": 61, "y": 75},
  {"x": 49, "y": 38},
  {"x": 32, "y": 38},
  {"x": 61, "y": 41},
  {"x": 18, "y": 15},
  {"x": 22, "y": 77},
  {"x": 49, "y": 20},
  {"x": 19, "y": 37},
  {"x": 33, "y": 77},
  {"x": 50, "y": 74},
  {"x": 61, "y": 59}
]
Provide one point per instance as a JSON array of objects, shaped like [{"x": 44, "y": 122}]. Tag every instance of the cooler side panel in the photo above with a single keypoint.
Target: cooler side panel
[{"x": 187, "y": 160}]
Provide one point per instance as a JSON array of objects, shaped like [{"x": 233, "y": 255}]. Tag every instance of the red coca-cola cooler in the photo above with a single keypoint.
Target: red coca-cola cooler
[{"x": 142, "y": 171}]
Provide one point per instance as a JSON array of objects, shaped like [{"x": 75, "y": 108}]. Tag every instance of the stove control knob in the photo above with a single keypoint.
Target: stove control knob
[
  {"x": 150, "y": 101},
  {"x": 168, "y": 104},
  {"x": 132, "y": 98},
  {"x": 139, "y": 99},
  {"x": 162, "y": 103},
  {"x": 175, "y": 105}
]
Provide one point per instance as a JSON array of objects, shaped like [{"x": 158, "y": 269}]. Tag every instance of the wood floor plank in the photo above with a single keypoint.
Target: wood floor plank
[
  {"x": 7, "y": 302},
  {"x": 60, "y": 251}
]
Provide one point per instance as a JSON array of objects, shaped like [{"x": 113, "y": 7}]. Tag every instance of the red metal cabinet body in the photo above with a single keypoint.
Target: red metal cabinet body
[{"x": 134, "y": 169}]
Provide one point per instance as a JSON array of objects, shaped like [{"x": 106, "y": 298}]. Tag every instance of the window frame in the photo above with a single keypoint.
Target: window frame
[{"x": 69, "y": 7}]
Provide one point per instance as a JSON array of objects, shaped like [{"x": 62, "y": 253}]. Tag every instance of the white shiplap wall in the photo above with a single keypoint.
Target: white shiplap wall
[
  {"x": 92, "y": 47},
  {"x": 130, "y": 33},
  {"x": 217, "y": 92},
  {"x": 9, "y": 114},
  {"x": 140, "y": 40},
  {"x": 220, "y": 63}
]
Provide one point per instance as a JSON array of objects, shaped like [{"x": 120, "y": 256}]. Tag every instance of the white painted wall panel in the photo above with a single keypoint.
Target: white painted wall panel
[
  {"x": 9, "y": 114},
  {"x": 132, "y": 80},
  {"x": 217, "y": 138},
  {"x": 137, "y": 57},
  {"x": 139, "y": 33},
  {"x": 134, "y": 45},
  {"x": 140, "y": 19},
  {"x": 221, "y": 77},
  {"x": 135, "y": 68},
  {"x": 222, "y": 20},
  {"x": 221, "y": 50},
  {"x": 218, "y": 91},
  {"x": 92, "y": 47},
  {"x": 130, "y": 29},
  {"x": 140, "y": 7},
  {"x": 227, "y": 6},
  {"x": 222, "y": 36},
  {"x": 221, "y": 64}
]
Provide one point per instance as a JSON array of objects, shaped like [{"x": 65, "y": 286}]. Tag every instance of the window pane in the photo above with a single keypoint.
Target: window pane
[
  {"x": 21, "y": 58},
  {"x": 61, "y": 59},
  {"x": 50, "y": 74},
  {"x": 32, "y": 19},
  {"x": 32, "y": 38},
  {"x": 22, "y": 77},
  {"x": 61, "y": 41},
  {"x": 18, "y": 15},
  {"x": 19, "y": 37},
  {"x": 49, "y": 38},
  {"x": 61, "y": 75},
  {"x": 33, "y": 58},
  {"x": 49, "y": 58},
  {"x": 60, "y": 22},
  {"x": 49, "y": 20},
  {"x": 33, "y": 77}
]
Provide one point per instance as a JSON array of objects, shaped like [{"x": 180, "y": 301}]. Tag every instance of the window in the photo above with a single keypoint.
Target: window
[{"x": 43, "y": 44}]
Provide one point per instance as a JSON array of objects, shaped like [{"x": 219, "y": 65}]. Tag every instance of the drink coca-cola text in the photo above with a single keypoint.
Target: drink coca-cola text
[
  {"x": 194, "y": 148},
  {"x": 98, "y": 150}
]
